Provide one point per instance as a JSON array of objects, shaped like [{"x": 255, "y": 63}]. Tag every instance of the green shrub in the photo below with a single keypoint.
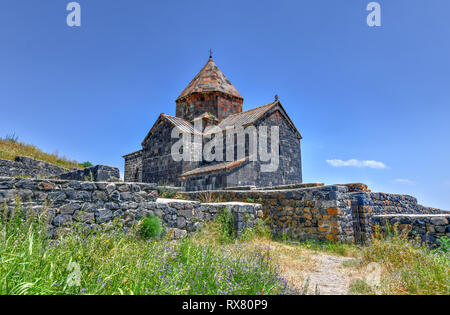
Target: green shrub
[
  {"x": 224, "y": 224},
  {"x": 87, "y": 164},
  {"x": 444, "y": 244},
  {"x": 151, "y": 227},
  {"x": 260, "y": 230},
  {"x": 166, "y": 193}
]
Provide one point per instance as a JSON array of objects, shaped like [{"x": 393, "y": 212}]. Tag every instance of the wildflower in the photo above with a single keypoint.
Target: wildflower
[{"x": 82, "y": 290}]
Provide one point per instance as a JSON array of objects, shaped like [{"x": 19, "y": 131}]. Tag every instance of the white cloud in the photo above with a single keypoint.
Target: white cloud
[
  {"x": 404, "y": 182},
  {"x": 356, "y": 163}
]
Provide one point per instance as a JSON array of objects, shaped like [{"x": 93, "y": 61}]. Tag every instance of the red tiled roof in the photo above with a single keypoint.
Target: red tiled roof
[
  {"x": 210, "y": 79},
  {"x": 215, "y": 167}
]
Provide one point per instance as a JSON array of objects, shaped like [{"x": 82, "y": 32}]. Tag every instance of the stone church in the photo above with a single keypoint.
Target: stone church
[{"x": 211, "y": 99}]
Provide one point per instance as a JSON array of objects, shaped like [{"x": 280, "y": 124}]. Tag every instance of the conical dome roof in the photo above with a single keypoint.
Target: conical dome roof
[{"x": 210, "y": 79}]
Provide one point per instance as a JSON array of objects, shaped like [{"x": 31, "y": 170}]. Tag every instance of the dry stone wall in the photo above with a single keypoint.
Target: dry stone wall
[
  {"x": 98, "y": 173},
  {"x": 25, "y": 166},
  {"x": 335, "y": 213},
  {"x": 92, "y": 206},
  {"x": 182, "y": 217},
  {"x": 421, "y": 227},
  {"x": 322, "y": 212}
]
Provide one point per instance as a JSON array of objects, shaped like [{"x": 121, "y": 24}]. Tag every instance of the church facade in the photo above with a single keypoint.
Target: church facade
[{"x": 212, "y": 102}]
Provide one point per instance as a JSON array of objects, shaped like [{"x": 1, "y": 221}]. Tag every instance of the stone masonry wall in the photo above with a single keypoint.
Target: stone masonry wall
[
  {"x": 94, "y": 206},
  {"x": 289, "y": 171},
  {"x": 184, "y": 217},
  {"x": 322, "y": 212},
  {"x": 98, "y": 173},
  {"x": 219, "y": 104},
  {"x": 133, "y": 167},
  {"x": 157, "y": 163},
  {"x": 25, "y": 166},
  {"x": 336, "y": 212},
  {"x": 423, "y": 228}
]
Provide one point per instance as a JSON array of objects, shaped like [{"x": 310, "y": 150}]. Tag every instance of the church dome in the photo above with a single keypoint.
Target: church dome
[{"x": 210, "y": 79}]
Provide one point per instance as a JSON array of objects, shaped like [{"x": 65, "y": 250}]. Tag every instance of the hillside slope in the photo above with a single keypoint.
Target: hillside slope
[{"x": 10, "y": 147}]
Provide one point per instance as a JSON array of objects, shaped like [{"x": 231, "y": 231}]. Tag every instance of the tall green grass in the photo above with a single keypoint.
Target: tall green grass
[
  {"x": 105, "y": 263},
  {"x": 408, "y": 267}
]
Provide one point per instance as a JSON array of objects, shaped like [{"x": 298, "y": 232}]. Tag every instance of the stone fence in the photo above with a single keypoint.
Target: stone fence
[
  {"x": 97, "y": 205},
  {"x": 98, "y": 173},
  {"x": 426, "y": 228},
  {"x": 182, "y": 216},
  {"x": 25, "y": 166},
  {"x": 335, "y": 212}
]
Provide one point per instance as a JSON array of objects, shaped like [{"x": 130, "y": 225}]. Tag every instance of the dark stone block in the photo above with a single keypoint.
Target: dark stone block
[
  {"x": 103, "y": 215},
  {"x": 98, "y": 173}
]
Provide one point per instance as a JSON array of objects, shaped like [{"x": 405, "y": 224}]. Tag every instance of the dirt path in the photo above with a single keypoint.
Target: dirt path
[
  {"x": 322, "y": 269},
  {"x": 329, "y": 275}
]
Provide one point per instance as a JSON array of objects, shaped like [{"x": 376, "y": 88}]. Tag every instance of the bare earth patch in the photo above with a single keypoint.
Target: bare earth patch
[
  {"x": 329, "y": 276},
  {"x": 298, "y": 264}
]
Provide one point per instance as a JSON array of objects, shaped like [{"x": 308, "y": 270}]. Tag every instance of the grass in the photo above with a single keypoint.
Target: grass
[
  {"x": 291, "y": 261},
  {"x": 10, "y": 147},
  {"x": 105, "y": 263},
  {"x": 360, "y": 287},
  {"x": 408, "y": 268},
  {"x": 211, "y": 261},
  {"x": 336, "y": 248}
]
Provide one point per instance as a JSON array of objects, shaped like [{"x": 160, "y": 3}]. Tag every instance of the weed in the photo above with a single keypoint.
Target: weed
[{"x": 151, "y": 227}]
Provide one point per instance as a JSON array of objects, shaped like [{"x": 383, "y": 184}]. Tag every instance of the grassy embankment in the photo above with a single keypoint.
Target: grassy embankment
[{"x": 10, "y": 147}]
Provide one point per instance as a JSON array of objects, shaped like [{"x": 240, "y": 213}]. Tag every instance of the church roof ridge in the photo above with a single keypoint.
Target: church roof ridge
[{"x": 247, "y": 116}]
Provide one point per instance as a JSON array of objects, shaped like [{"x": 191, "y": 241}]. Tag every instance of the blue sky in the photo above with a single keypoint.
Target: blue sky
[{"x": 369, "y": 94}]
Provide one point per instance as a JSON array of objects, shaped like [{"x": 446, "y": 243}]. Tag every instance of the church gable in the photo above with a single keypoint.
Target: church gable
[
  {"x": 183, "y": 125},
  {"x": 278, "y": 113}
]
